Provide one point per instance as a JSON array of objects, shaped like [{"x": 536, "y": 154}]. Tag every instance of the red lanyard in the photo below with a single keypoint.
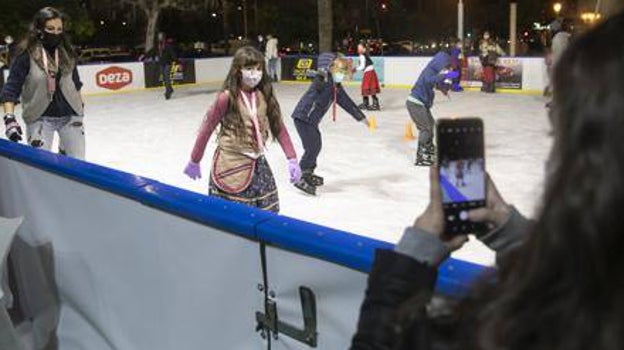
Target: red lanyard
[
  {"x": 334, "y": 106},
  {"x": 253, "y": 111},
  {"x": 51, "y": 78}
]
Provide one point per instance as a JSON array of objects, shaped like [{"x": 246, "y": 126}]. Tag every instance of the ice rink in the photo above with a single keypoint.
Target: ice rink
[{"x": 371, "y": 186}]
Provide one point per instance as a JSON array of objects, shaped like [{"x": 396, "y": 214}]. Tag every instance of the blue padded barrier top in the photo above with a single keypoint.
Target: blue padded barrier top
[{"x": 339, "y": 247}]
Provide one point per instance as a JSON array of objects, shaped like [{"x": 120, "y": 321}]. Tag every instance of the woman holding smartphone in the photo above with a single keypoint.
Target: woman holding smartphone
[{"x": 559, "y": 283}]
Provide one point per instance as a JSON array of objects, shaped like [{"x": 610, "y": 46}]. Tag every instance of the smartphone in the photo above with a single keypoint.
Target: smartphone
[{"x": 461, "y": 165}]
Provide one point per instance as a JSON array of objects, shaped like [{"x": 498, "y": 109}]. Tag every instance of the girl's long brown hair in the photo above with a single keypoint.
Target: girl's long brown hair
[{"x": 244, "y": 57}]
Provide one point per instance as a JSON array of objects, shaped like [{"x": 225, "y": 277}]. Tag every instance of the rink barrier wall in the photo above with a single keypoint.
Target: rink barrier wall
[
  {"x": 395, "y": 72},
  {"x": 129, "y": 249}
]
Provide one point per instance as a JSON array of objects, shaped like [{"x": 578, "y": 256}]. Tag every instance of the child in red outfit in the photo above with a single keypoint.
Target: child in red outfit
[
  {"x": 370, "y": 82},
  {"x": 248, "y": 112}
]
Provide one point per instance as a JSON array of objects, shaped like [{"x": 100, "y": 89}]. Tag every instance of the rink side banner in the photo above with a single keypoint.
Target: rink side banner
[
  {"x": 162, "y": 262},
  {"x": 182, "y": 72},
  {"x": 508, "y": 73},
  {"x": 297, "y": 67}
]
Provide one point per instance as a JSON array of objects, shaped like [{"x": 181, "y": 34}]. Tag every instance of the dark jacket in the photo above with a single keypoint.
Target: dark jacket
[
  {"x": 393, "y": 315},
  {"x": 167, "y": 54},
  {"x": 320, "y": 95},
  {"x": 429, "y": 78}
]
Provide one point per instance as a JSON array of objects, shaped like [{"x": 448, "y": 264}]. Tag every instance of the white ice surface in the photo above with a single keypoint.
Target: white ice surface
[{"x": 372, "y": 187}]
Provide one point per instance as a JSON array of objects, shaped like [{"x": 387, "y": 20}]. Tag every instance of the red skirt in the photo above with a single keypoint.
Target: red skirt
[
  {"x": 489, "y": 75},
  {"x": 370, "y": 84}
]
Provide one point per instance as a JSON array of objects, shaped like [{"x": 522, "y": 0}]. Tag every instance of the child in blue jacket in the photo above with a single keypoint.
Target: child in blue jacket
[
  {"x": 420, "y": 101},
  {"x": 326, "y": 90}
]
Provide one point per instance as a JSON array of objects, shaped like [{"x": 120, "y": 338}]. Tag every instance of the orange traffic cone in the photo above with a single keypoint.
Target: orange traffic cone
[
  {"x": 409, "y": 135},
  {"x": 372, "y": 123}
]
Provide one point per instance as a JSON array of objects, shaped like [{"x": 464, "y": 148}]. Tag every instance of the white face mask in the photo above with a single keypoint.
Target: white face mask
[
  {"x": 251, "y": 76},
  {"x": 486, "y": 37},
  {"x": 338, "y": 77}
]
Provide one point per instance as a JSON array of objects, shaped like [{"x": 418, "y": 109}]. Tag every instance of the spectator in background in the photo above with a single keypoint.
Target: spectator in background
[
  {"x": 166, "y": 57},
  {"x": 559, "y": 285},
  {"x": 272, "y": 55},
  {"x": 489, "y": 52},
  {"x": 44, "y": 78},
  {"x": 260, "y": 43},
  {"x": 560, "y": 40}
]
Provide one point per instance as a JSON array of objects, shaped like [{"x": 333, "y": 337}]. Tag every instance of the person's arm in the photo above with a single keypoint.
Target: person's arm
[
  {"x": 394, "y": 280},
  {"x": 76, "y": 78},
  {"x": 431, "y": 77},
  {"x": 13, "y": 87},
  {"x": 346, "y": 103},
  {"x": 286, "y": 143},
  {"x": 213, "y": 117},
  {"x": 361, "y": 64}
]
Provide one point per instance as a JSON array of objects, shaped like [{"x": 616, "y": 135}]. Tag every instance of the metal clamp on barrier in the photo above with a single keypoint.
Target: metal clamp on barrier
[{"x": 270, "y": 321}]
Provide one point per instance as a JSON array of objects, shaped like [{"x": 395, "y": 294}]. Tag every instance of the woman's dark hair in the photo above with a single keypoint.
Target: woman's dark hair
[
  {"x": 33, "y": 37},
  {"x": 564, "y": 288},
  {"x": 248, "y": 56}
]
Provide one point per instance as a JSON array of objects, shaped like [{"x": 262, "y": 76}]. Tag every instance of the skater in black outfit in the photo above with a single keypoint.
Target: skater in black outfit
[{"x": 326, "y": 90}]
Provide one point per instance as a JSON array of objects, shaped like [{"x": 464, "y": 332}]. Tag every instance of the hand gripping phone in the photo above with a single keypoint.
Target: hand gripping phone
[{"x": 461, "y": 165}]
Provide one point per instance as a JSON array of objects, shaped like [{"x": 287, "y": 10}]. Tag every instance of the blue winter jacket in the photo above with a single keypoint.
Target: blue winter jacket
[
  {"x": 429, "y": 77},
  {"x": 320, "y": 95}
]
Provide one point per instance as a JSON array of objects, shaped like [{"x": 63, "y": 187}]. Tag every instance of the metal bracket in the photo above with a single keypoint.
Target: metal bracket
[{"x": 270, "y": 322}]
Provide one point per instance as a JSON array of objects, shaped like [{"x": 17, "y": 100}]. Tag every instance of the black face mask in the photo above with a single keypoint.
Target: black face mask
[{"x": 51, "y": 41}]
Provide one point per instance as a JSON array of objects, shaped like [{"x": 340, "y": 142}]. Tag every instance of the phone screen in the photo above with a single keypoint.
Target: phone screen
[{"x": 461, "y": 163}]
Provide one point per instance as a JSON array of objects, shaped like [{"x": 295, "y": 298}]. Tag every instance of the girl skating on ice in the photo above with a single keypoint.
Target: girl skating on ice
[
  {"x": 247, "y": 111},
  {"x": 370, "y": 82}
]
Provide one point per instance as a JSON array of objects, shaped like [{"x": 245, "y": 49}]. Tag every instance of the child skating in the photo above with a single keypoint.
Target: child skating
[
  {"x": 325, "y": 91},
  {"x": 370, "y": 82},
  {"x": 420, "y": 101},
  {"x": 248, "y": 112}
]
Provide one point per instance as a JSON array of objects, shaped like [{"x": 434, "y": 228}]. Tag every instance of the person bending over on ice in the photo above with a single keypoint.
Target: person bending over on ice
[
  {"x": 248, "y": 111},
  {"x": 326, "y": 91},
  {"x": 420, "y": 101}
]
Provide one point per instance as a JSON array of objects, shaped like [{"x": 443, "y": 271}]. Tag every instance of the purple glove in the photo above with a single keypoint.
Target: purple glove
[
  {"x": 193, "y": 170},
  {"x": 452, "y": 75},
  {"x": 294, "y": 170}
]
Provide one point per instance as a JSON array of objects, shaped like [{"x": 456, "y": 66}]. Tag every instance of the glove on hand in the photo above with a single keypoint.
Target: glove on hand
[
  {"x": 13, "y": 130},
  {"x": 294, "y": 170},
  {"x": 451, "y": 75},
  {"x": 193, "y": 170}
]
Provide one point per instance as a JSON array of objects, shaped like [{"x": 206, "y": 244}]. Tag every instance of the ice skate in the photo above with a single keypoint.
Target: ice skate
[
  {"x": 374, "y": 107},
  {"x": 425, "y": 156},
  {"x": 306, "y": 187},
  {"x": 314, "y": 179},
  {"x": 363, "y": 106}
]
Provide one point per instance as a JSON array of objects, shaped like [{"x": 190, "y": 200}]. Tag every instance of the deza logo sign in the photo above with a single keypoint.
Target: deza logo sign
[{"x": 113, "y": 78}]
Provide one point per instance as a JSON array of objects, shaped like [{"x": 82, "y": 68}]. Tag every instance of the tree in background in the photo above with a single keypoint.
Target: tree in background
[
  {"x": 153, "y": 9},
  {"x": 16, "y": 16},
  {"x": 325, "y": 25}
]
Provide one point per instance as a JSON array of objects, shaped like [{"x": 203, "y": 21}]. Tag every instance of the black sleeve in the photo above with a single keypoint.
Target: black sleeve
[
  {"x": 348, "y": 105},
  {"x": 394, "y": 280},
  {"x": 13, "y": 87},
  {"x": 76, "y": 78}
]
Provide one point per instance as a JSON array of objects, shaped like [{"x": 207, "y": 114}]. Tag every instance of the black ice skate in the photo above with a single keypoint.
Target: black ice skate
[
  {"x": 306, "y": 187},
  {"x": 363, "y": 105},
  {"x": 374, "y": 107},
  {"x": 313, "y": 179},
  {"x": 425, "y": 156}
]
